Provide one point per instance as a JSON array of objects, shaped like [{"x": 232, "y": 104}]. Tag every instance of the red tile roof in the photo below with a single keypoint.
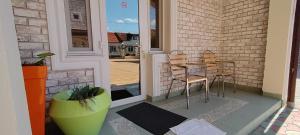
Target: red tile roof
[{"x": 116, "y": 37}]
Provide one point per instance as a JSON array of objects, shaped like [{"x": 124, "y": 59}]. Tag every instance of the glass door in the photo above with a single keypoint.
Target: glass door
[{"x": 124, "y": 48}]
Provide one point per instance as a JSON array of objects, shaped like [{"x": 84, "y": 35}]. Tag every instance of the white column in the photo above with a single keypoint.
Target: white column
[
  {"x": 14, "y": 116},
  {"x": 278, "y": 50}
]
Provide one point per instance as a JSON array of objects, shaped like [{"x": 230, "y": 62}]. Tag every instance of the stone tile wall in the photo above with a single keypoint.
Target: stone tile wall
[
  {"x": 32, "y": 33},
  {"x": 199, "y": 29},
  {"x": 233, "y": 29},
  {"x": 244, "y": 38},
  {"x": 199, "y": 26}
]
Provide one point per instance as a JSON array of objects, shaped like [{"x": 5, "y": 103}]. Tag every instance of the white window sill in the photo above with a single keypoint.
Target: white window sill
[
  {"x": 83, "y": 53},
  {"x": 157, "y": 52}
]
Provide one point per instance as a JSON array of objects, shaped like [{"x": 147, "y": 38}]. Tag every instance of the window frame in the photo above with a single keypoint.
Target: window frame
[
  {"x": 89, "y": 27},
  {"x": 66, "y": 60},
  {"x": 168, "y": 27},
  {"x": 160, "y": 9},
  {"x": 58, "y": 33}
]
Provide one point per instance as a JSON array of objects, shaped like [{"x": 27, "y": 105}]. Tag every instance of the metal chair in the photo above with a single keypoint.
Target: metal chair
[
  {"x": 221, "y": 69},
  {"x": 180, "y": 71}
]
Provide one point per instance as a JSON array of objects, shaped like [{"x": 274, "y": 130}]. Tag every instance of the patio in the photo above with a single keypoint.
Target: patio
[
  {"x": 236, "y": 114},
  {"x": 256, "y": 35}
]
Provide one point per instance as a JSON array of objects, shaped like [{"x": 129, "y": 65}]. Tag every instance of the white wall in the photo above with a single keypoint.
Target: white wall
[
  {"x": 278, "y": 47},
  {"x": 14, "y": 118}
]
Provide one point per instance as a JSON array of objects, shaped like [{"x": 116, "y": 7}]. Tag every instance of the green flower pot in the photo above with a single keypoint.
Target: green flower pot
[{"x": 75, "y": 119}]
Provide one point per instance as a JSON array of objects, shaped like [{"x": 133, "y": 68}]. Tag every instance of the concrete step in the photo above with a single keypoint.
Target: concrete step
[{"x": 261, "y": 118}]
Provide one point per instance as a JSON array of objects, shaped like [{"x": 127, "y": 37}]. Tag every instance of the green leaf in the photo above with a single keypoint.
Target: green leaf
[
  {"x": 45, "y": 55},
  {"x": 42, "y": 58},
  {"x": 83, "y": 94}
]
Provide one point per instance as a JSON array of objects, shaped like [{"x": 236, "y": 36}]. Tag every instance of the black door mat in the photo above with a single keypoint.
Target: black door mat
[
  {"x": 153, "y": 119},
  {"x": 120, "y": 94}
]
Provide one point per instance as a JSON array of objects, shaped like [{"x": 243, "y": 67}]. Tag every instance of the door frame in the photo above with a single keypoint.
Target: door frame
[
  {"x": 14, "y": 114},
  {"x": 294, "y": 56},
  {"x": 144, "y": 42}
]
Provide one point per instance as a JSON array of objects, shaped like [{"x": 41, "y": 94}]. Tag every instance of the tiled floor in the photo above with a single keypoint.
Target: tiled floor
[
  {"x": 297, "y": 95},
  {"x": 285, "y": 122},
  {"x": 237, "y": 113},
  {"x": 231, "y": 114}
]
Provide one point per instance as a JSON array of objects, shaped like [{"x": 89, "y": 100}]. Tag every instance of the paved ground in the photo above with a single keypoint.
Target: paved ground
[
  {"x": 124, "y": 71},
  {"x": 285, "y": 122},
  {"x": 297, "y": 95},
  {"x": 231, "y": 114}
]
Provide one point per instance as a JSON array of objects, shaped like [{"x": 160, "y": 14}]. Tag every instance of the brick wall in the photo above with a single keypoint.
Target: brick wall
[
  {"x": 165, "y": 80},
  {"x": 233, "y": 29},
  {"x": 199, "y": 26},
  {"x": 32, "y": 33},
  {"x": 199, "y": 29},
  {"x": 244, "y": 38}
]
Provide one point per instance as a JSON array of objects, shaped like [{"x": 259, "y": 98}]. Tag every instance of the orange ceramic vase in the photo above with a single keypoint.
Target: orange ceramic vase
[{"x": 35, "y": 85}]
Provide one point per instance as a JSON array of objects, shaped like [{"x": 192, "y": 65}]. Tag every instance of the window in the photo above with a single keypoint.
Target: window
[
  {"x": 112, "y": 49},
  {"x": 78, "y": 18},
  {"x": 136, "y": 37},
  {"x": 155, "y": 25},
  {"x": 130, "y": 49}
]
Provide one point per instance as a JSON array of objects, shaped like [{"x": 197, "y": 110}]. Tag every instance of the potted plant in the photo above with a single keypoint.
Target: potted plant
[
  {"x": 80, "y": 111},
  {"x": 35, "y": 76}
]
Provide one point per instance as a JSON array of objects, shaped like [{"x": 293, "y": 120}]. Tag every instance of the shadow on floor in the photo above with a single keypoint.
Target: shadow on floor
[{"x": 53, "y": 129}]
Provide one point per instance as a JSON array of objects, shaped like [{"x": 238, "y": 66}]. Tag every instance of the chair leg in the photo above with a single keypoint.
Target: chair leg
[
  {"x": 187, "y": 96},
  {"x": 218, "y": 86},
  {"x": 212, "y": 82},
  {"x": 234, "y": 85},
  {"x": 170, "y": 89},
  {"x": 207, "y": 91},
  {"x": 205, "y": 94},
  {"x": 201, "y": 87},
  {"x": 183, "y": 91},
  {"x": 223, "y": 79}
]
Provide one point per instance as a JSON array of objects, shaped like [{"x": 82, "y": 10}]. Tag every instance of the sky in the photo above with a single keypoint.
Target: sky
[{"x": 122, "y": 16}]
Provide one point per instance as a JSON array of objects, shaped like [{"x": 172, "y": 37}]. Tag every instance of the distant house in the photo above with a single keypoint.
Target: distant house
[{"x": 123, "y": 44}]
